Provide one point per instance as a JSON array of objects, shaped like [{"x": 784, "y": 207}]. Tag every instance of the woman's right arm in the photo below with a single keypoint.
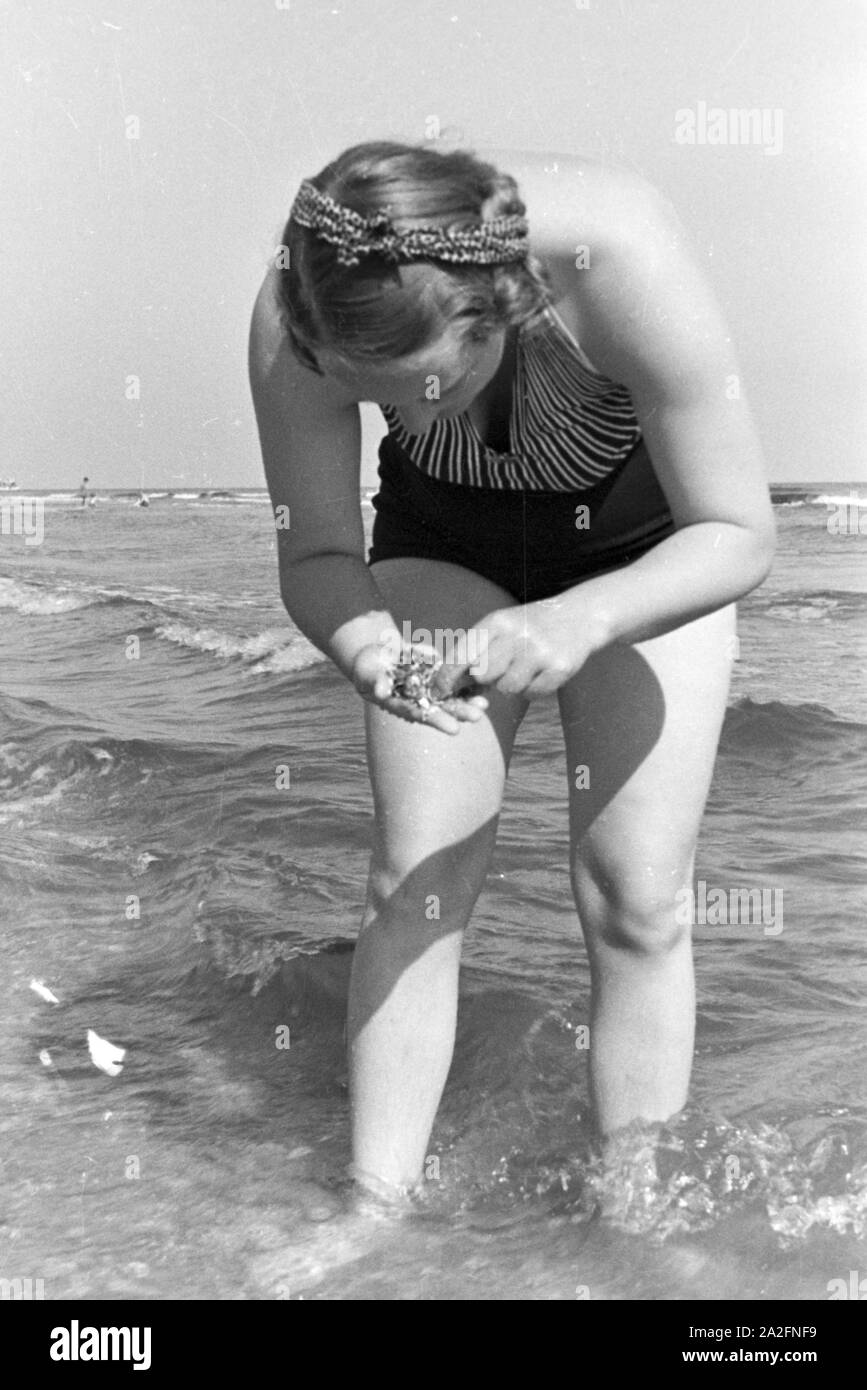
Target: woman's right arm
[{"x": 311, "y": 450}]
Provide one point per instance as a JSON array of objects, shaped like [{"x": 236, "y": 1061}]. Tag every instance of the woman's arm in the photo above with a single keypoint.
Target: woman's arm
[
  {"x": 650, "y": 320},
  {"x": 647, "y": 318},
  {"x": 311, "y": 450}
]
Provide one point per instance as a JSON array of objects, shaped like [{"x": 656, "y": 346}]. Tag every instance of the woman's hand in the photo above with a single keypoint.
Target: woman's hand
[
  {"x": 372, "y": 677},
  {"x": 535, "y": 648}
]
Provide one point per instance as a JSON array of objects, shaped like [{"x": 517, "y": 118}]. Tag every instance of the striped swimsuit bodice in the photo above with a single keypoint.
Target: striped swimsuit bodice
[{"x": 569, "y": 426}]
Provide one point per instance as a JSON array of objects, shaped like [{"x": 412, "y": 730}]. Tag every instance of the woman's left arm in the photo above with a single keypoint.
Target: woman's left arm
[{"x": 650, "y": 320}]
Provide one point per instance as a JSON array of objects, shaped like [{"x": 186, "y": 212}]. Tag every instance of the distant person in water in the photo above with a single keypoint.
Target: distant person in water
[
  {"x": 83, "y": 492},
  {"x": 575, "y": 494}
]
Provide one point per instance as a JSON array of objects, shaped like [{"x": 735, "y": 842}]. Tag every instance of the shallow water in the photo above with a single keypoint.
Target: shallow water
[{"x": 211, "y": 1166}]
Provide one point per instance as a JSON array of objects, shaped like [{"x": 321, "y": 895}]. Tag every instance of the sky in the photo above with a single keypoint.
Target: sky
[{"x": 150, "y": 150}]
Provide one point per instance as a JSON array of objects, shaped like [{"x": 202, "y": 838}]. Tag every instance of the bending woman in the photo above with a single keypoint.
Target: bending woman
[{"x": 571, "y": 485}]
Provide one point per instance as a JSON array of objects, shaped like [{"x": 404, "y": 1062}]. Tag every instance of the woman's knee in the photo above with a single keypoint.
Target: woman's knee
[
  {"x": 419, "y": 888},
  {"x": 628, "y": 899}
]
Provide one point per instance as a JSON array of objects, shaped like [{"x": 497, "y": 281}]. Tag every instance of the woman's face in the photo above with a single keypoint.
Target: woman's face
[{"x": 441, "y": 380}]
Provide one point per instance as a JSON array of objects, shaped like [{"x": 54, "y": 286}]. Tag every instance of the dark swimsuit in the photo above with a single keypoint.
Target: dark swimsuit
[{"x": 572, "y": 492}]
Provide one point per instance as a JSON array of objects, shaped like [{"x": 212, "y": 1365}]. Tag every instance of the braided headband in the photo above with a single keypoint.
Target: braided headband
[{"x": 494, "y": 242}]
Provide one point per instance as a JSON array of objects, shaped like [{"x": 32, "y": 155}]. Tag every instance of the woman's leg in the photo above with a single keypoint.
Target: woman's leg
[
  {"x": 436, "y": 801},
  {"x": 641, "y": 726}
]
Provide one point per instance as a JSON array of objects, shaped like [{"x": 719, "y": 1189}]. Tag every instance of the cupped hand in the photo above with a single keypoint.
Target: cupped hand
[{"x": 372, "y": 678}]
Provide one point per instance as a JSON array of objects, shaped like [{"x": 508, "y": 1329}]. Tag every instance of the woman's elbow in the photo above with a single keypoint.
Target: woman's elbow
[{"x": 762, "y": 549}]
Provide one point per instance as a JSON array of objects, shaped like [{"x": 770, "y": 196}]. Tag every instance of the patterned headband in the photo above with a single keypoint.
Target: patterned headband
[{"x": 494, "y": 242}]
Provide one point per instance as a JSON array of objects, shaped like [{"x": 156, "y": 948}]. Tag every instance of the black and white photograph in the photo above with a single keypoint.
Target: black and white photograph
[{"x": 433, "y": 665}]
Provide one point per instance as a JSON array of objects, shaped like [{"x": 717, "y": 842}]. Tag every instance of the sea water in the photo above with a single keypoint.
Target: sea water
[{"x": 193, "y": 907}]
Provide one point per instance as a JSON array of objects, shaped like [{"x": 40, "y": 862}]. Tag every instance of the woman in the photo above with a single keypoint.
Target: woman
[{"x": 582, "y": 517}]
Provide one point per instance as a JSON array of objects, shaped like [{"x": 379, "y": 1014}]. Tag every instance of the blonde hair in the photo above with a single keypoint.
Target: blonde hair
[{"x": 377, "y": 311}]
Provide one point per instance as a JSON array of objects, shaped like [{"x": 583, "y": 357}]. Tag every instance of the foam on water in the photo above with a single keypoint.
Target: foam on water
[
  {"x": 852, "y": 499},
  {"x": 263, "y": 653},
  {"x": 29, "y": 599},
  {"x": 692, "y": 1174}
]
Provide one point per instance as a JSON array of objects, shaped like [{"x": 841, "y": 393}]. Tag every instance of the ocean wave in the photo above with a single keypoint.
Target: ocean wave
[
  {"x": 852, "y": 499},
  {"x": 35, "y": 600},
  {"x": 222, "y": 498},
  {"x": 48, "y": 600},
  {"x": 838, "y": 595},
  {"x": 247, "y": 497},
  {"x": 40, "y": 767},
  {"x": 802, "y": 497},
  {"x": 802, "y": 611},
  {"x": 33, "y": 779},
  {"x": 691, "y": 1174},
  {"x": 808, "y": 605},
  {"x": 271, "y": 652},
  {"x": 257, "y": 960},
  {"x": 774, "y": 724}
]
